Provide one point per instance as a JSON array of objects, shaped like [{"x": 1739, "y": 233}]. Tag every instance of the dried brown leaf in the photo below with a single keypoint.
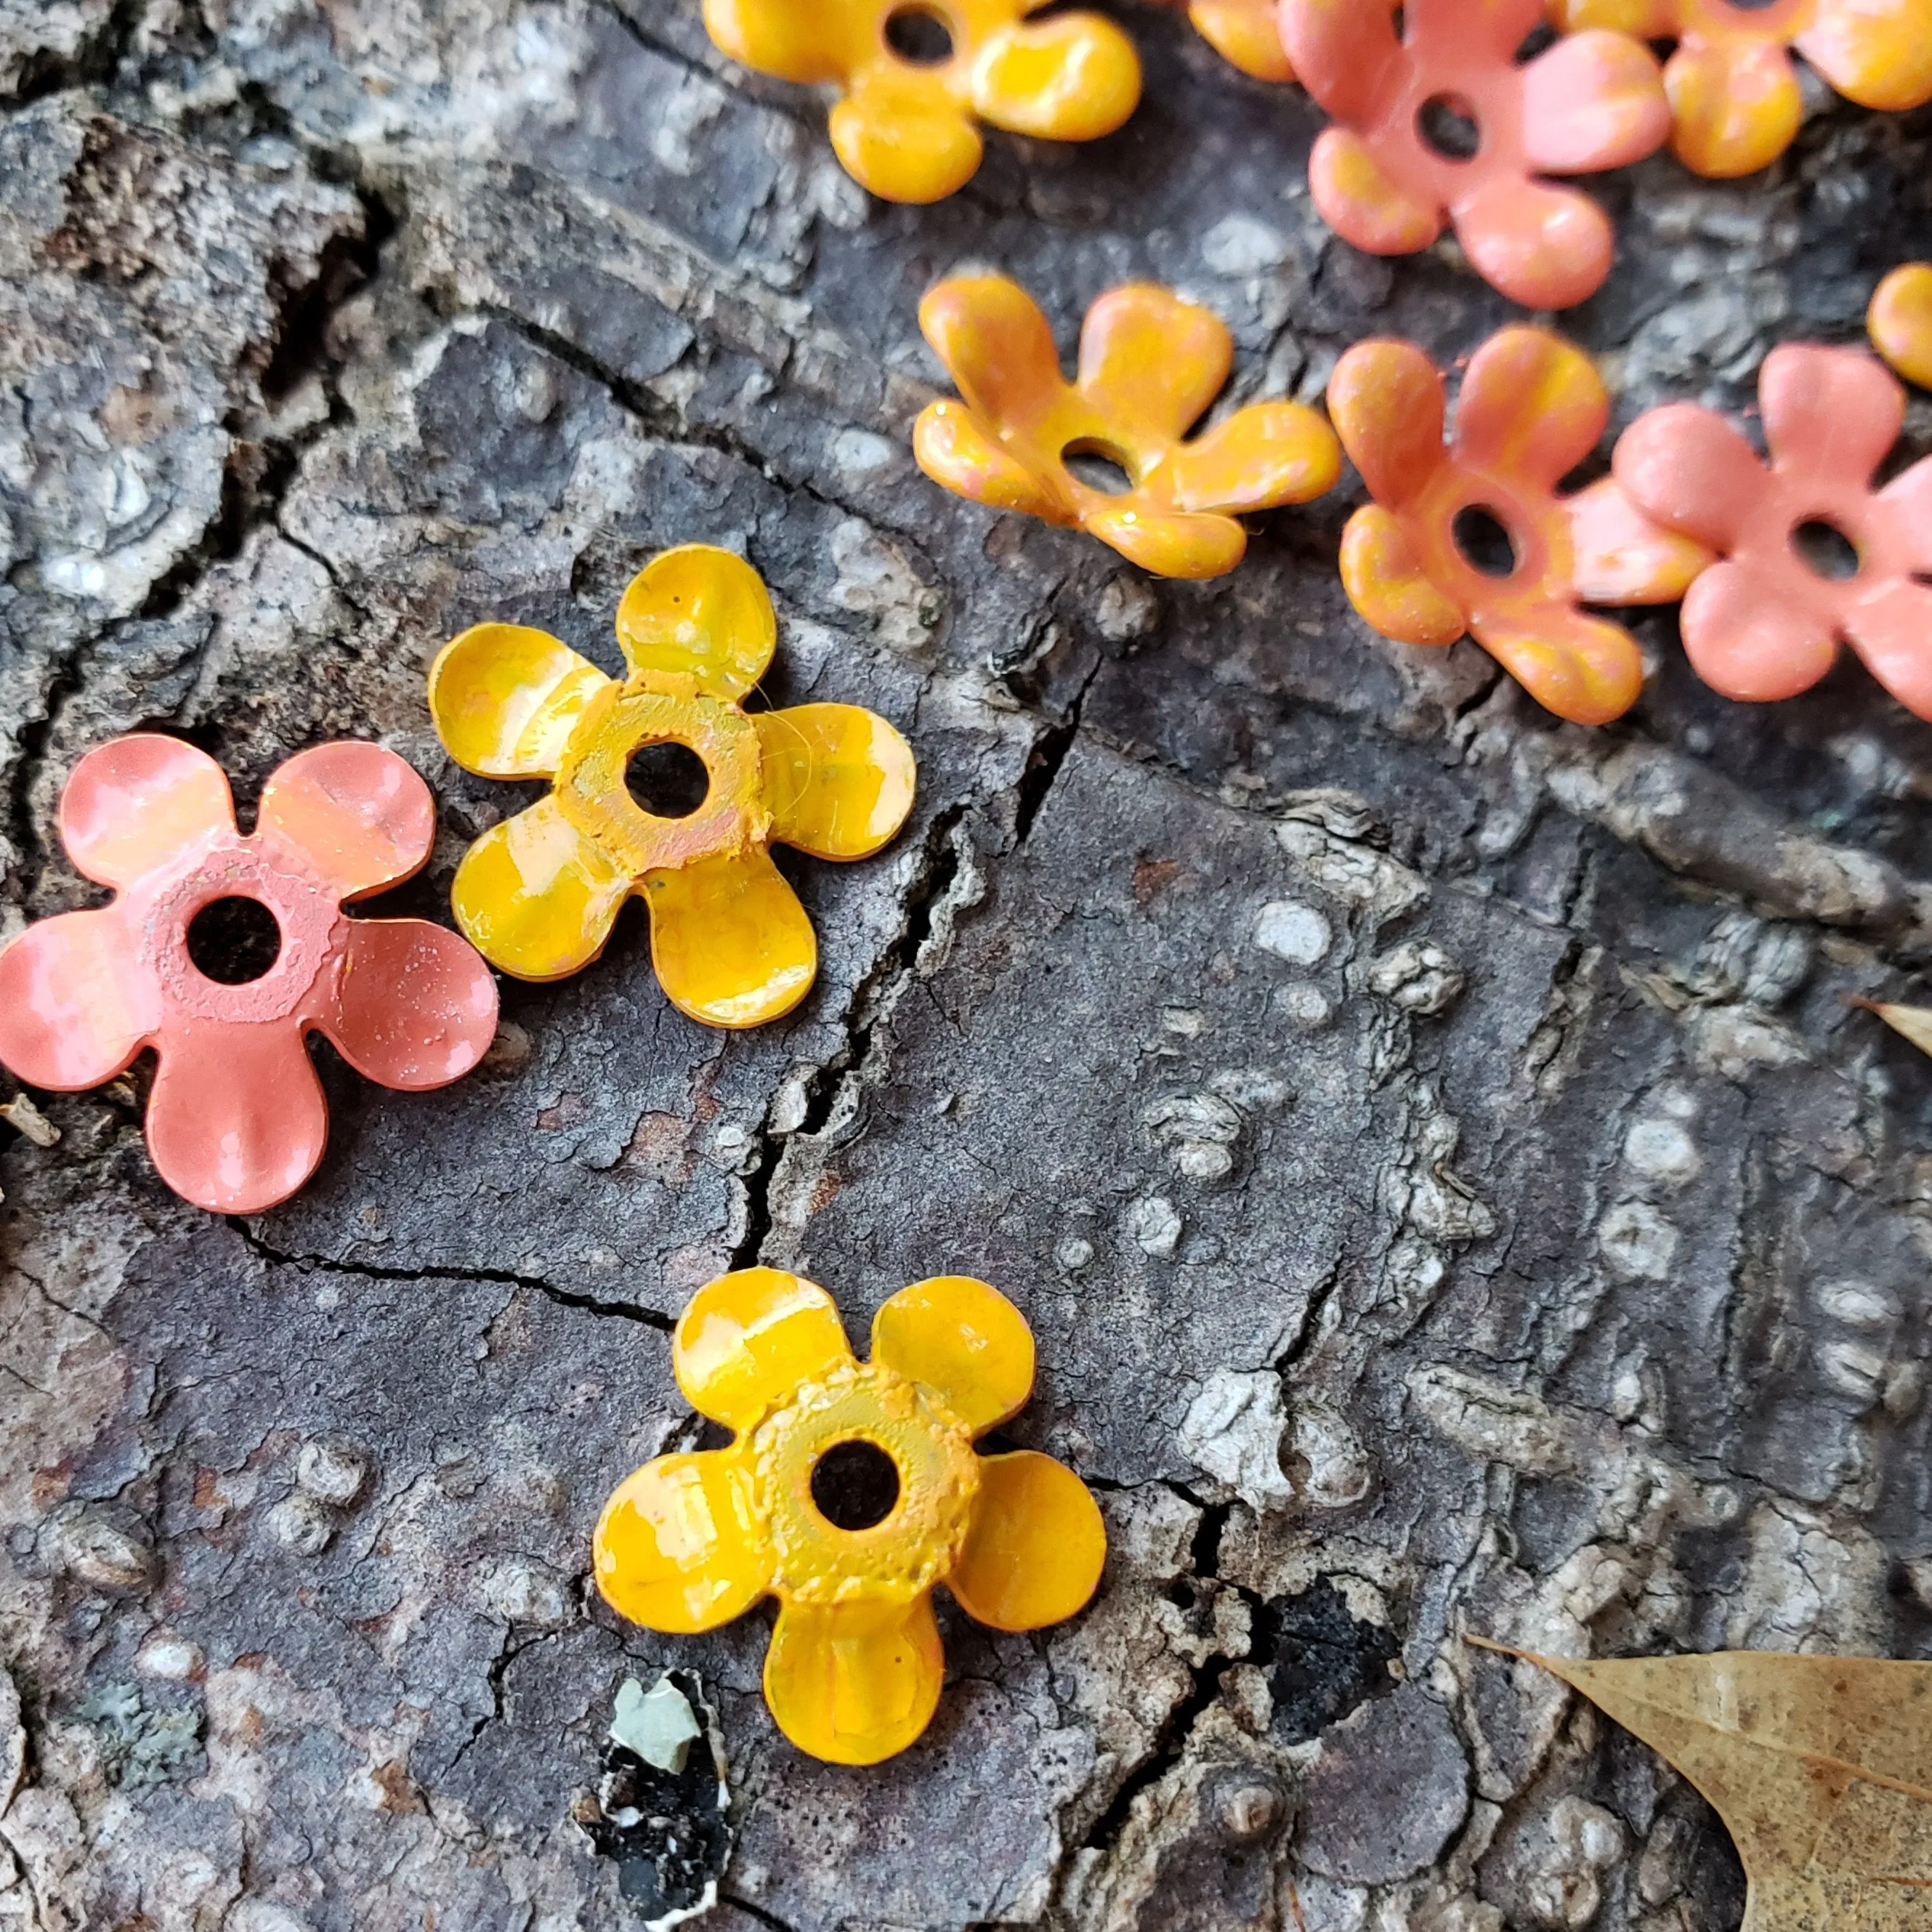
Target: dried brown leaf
[
  {"x": 1914, "y": 1022},
  {"x": 1820, "y": 1766}
]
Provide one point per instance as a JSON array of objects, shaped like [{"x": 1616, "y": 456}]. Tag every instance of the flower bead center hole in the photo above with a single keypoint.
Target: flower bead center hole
[
  {"x": 854, "y": 1485},
  {"x": 919, "y": 35},
  {"x": 1485, "y": 542},
  {"x": 668, "y": 780},
  {"x": 1100, "y": 466},
  {"x": 1825, "y": 549},
  {"x": 233, "y": 941},
  {"x": 1448, "y": 128}
]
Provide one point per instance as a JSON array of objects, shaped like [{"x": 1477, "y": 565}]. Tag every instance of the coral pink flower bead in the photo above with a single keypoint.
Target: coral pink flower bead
[
  {"x": 1765, "y": 621},
  {"x": 1383, "y": 180},
  {"x": 236, "y": 1120}
]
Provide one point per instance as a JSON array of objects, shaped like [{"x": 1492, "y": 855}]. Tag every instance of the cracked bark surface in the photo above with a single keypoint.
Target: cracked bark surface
[{"x": 1432, "y": 1146}]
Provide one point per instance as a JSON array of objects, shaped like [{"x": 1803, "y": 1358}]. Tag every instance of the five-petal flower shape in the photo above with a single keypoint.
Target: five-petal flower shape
[
  {"x": 916, "y": 77},
  {"x": 1150, "y": 364},
  {"x": 691, "y": 1541},
  {"x": 539, "y": 893},
  {"x": 1733, "y": 90},
  {"x": 1441, "y": 123},
  {"x": 1532, "y": 408},
  {"x": 1899, "y": 322},
  {"x": 236, "y": 1121},
  {"x": 1811, "y": 552}
]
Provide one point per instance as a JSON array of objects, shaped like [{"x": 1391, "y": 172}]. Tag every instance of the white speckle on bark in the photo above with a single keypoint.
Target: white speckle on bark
[
  {"x": 1293, "y": 932},
  {"x": 1153, "y": 1226},
  {"x": 1233, "y": 1429}
]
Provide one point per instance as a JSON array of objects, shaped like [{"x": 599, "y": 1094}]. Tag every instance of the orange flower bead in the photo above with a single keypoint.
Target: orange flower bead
[
  {"x": 236, "y": 1121},
  {"x": 539, "y": 894},
  {"x": 1150, "y": 364},
  {"x": 904, "y": 125},
  {"x": 691, "y": 1541},
  {"x": 1246, "y": 33},
  {"x": 1900, "y": 321},
  {"x": 1734, "y": 97},
  {"x": 1531, "y": 409}
]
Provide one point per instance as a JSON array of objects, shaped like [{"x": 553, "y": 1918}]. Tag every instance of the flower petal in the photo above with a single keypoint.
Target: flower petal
[
  {"x": 854, "y": 1683},
  {"x": 732, "y": 946},
  {"x": 236, "y": 1121},
  {"x": 700, "y": 612},
  {"x": 904, "y": 136},
  {"x": 1747, "y": 638},
  {"x": 76, "y": 1004},
  {"x": 1583, "y": 668},
  {"x": 952, "y": 446},
  {"x": 1737, "y": 105},
  {"x": 1531, "y": 407},
  {"x": 1170, "y": 544},
  {"x": 1900, "y": 322},
  {"x": 680, "y": 1546},
  {"x": 1387, "y": 585},
  {"x": 996, "y": 346},
  {"x": 1891, "y": 630},
  {"x": 746, "y": 1341},
  {"x": 1036, "y": 1548},
  {"x": 505, "y": 697},
  {"x": 1836, "y": 411},
  {"x": 1363, "y": 203},
  {"x": 1621, "y": 556},
  {"x": 965, "y": 1341},
  {"x": 1687, "y": 468},
  {"x": 1642, "y": 19},
  {"x": 1073, "y": 77},
  {"x": 1879, "y": 54},
  {"x": 1267, "y": 454},
  {"x": 535, "y": 897},
  {"x": 838, "y": 779},
  {"x": 783, "y": 39},
  {"x": 132, "y": 803},
  {"x": 356, "y": 812},
  {"x": 414, "y": 1006},
  {"x": 1593, "y": 100},
  {"x": 1346, "y": 53},
  {"x": 1543, "y": 247},
  {"x": 1386, "y": 401},
  {"x": 1150, "y": 359},
  {"x": 1244, "y": 33}
]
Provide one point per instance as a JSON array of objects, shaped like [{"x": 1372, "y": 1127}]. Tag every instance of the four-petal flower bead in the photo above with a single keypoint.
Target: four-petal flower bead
[
  {"x": 1733, "y": 94},
  {"x": 905, "y": 124},
  {"x": 539, "y": 893},
  {"x": 236, "y": 1120},
  {"x": 1765, "y": 621},
  {"x": 1150, "y": 364},
  {"x": 1532, "y": 408},
  {"x": 691, "y": 1541},
  {"x": 1440, "y": 123}
]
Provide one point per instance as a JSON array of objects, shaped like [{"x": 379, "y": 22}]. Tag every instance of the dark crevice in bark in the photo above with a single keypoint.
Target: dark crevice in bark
[
  {"x": 93, "y": 63},
  {"x": 1045, "y": 761},
  {"x": 738, "y": 1903},
  {"x": 564, "y": 1298}
]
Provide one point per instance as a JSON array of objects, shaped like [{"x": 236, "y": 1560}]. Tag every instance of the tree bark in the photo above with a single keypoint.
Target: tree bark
[{"x": 1432, "y": 1145}]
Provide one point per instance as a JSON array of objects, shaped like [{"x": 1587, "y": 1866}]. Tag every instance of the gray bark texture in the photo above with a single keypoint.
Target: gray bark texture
[{"x": 1431, "y": 1144}]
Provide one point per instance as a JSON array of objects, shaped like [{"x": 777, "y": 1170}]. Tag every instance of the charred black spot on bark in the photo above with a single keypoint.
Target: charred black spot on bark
[{"x": 1322, "y": 1662}]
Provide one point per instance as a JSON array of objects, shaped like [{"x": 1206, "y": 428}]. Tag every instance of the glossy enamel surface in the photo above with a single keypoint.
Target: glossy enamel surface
[
  {"x": 1900, "y": 320},
  {"x": 1735, "y": 99},
  {"x": 854, "y": 1671},
  {"x": 539, "y": 893},
  {"x": 1532, "y": 408},
  {"x": 1593, "y": 100},
  {"x": 1246, "y": 33},
  {"x": 907, "y": 128},
  {"x": 235, "y": 1122},
  {"x": 1765, "y": 622},
  {"x": 1149, "y": 365}
]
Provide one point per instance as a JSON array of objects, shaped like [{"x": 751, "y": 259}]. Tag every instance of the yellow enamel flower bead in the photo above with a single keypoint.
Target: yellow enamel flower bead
[
  {"x": 851, "y": 1489},
  {"x": 1900, "y": 321},
  {"x": 915, "y": 80},
  {"x": 539, "y": 894}
]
